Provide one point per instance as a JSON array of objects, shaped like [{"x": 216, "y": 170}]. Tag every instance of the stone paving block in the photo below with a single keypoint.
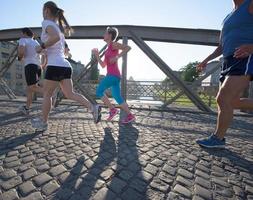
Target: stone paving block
[
  {"x": 159, "y": 185},
  {"x": 202, "y": 174},
  {"x": 71, "y": 163},
  {"x": 182, "y": 190},
  {"x": 145, "y": 176},
  {"x": 126, "y": 175},
  {"x": 12, "y": 164},
  {"x": 55, "y": 171},
  {"x": 131, "y": 194},
  {"x": 238, "y": 191},
  {"x": 202, "y": 192},
  {"x": 117, "y": 185},
  {"x": 249, "y": 189},
  {"x": 107, "y": 174},
  {"x": 104, "y": 193},
  {"x": 42, "y": 179},
  {"x": 170, "y": 170},
  {"x": 29, "y": 173},
  {"x": 28, "y": 159},
  {"x": 40, "y": 161},
  {"x": 7, "y": 174},
  {"x": 12, "y": 153},
  {"x": 11, "y": 183},
  {"x": 26, "y": 188},
  {"x": 151, "y": 169},
  {"x": 33, "y": 196},
  {"x": 138, "y": 185},
  {"x": 183, "y": 181},
  {"x": 43, "y": 168},
  {"x": 203, "y": 182},
  {"x": 50, "y": 187},
  {"x": 9, "y": 195},
  {"x": 10, "y": 159},
  {"x": 185, "y": 173},
  {"x": 64, "y": 193}
]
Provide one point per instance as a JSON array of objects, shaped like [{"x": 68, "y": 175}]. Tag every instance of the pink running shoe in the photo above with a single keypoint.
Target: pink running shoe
[
  {"x": 113, "y": 112},
  {"x": 130, "y": 118}
]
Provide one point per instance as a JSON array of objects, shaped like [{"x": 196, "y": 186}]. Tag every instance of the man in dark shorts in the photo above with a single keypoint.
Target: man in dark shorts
[
  {"x": 31, "y": 60},
  {"x": 236, "y": 46}
]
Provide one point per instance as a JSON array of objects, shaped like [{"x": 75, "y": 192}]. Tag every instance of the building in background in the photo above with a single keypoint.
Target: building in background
[{"x": 15, "y": 77}]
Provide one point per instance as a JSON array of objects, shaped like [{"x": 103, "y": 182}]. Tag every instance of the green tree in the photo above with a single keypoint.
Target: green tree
[{"x": 189, "y": 72}]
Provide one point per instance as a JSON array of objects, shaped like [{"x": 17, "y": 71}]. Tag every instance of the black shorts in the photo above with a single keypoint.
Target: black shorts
[
  {"x": 57, "y": 73},
  {"x": 232, "y": 66},
  {"x": 32, "y": 74}
]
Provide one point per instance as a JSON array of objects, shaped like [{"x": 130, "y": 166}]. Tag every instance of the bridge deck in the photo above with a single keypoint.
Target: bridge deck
[{"x": 155, "y": 158}]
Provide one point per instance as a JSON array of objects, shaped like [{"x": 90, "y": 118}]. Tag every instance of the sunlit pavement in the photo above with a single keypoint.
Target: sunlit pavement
[{"x": 154, "y": 158}]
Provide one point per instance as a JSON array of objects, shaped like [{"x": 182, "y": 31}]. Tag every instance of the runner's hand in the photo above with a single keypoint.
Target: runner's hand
[
  {"x": 38, "y": 49},
  {"x": 244, "y": 51},
  {"x": 95, "y": 52},
  {"x": 201, "y": 66}
]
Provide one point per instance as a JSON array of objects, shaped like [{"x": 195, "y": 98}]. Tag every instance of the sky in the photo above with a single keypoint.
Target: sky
[{"x": 203, "y": 14}]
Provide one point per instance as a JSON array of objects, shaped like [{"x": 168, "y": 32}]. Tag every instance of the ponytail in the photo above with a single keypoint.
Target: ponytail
[
  {"x": 63, "y": 23},
  {"x": 59, "y": 14}
]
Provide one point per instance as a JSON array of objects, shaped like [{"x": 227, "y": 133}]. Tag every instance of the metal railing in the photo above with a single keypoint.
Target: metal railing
[{"x": 159, "y": 91}]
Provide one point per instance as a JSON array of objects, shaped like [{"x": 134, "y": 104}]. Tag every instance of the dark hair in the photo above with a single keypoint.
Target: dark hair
[
  {"x": 113, "y": 32},
  {"x": 28, "y": 32},
  {"x": 59, "y": 14}
]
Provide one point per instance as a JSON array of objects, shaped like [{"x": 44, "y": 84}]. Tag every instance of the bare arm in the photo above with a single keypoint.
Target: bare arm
[
  {"x": 53, "y": 37},
  {"x": 43, "y": 61},
  {"x": 21, "y": 52},
  {"x": 217, "y": 52},
  {"x": 124, "y": 48},
  {"x": 100, "y": 61}
]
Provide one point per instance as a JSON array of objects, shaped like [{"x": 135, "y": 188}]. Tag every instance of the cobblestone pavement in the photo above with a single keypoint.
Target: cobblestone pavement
[{"x": 155, "y": 158}]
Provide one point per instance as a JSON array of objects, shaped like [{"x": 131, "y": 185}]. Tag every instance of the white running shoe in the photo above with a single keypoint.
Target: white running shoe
[
  {"x": 96, "y": 113},
  {"x": 38, "y": 124}
]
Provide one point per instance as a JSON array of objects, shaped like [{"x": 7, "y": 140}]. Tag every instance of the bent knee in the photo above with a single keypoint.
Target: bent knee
[{"x": 224, "y": 98}]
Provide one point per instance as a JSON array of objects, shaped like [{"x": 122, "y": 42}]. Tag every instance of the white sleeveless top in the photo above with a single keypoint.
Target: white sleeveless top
[{"x": 55, "y": 53}]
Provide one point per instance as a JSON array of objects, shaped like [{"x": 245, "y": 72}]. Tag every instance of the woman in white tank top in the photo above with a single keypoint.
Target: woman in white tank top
[
  {"x": 58, "y": 70},
  {"x": 31, "y": 59}
]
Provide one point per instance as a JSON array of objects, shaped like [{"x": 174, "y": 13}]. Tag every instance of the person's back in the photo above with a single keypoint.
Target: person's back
[
  {"x": 55, "y": 53},
  {"x": 30, "y": 56}
]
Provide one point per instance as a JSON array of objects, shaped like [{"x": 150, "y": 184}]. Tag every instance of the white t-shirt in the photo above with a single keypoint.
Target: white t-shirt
[
  {"x": 31, "y": 56},
  {"x": 55, "y": 53}
]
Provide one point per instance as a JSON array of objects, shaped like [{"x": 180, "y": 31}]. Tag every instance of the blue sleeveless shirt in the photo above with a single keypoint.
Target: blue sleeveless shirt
[{"x": 237, "y": 29}]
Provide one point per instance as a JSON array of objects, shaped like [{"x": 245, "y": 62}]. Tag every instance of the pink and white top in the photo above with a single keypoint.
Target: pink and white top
[{"x": 112, "y": 68}]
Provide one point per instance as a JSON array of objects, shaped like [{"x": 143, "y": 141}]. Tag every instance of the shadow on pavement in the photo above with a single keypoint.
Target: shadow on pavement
[
  {"x": 88, "y": 179},
  {"x": 233, "y": 157}
]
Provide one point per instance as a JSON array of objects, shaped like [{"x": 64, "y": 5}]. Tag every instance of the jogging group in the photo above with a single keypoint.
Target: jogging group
[{"x": 236, "y": 46}]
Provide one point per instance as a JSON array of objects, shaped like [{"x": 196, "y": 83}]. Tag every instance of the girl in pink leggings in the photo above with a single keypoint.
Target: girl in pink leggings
[{"x": 112, "y": 79}]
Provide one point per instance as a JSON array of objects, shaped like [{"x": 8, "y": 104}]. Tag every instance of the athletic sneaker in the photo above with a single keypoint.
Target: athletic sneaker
[
  {"x": 24, "y": 110},
  {"x": 212, "y": 142},
  {"x": 96, "y": 113},
  {"x": 39, "y": 125},
  {"x": 129, "y": 118},
  {"x": 112, "y": 113}
]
